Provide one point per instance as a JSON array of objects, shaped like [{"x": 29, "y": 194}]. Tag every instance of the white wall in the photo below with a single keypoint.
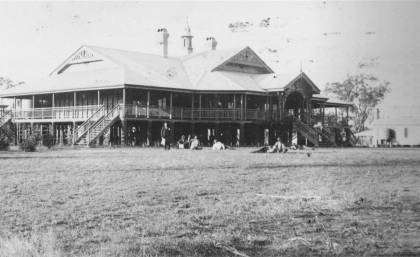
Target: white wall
[{"x": 413, "y": 137}]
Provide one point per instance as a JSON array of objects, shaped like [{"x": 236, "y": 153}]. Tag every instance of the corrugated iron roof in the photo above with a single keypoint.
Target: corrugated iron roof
[
  {"x": 192, "y": 72},
  {"x": 197, "y": 64},
  {"x": 148, "y": 69},
  {"x": 228, "y": 81},
  {"x": 72, "y": 81}
]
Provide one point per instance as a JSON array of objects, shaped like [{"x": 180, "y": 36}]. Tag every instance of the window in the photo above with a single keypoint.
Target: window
[{"x": 406, "y": 132}]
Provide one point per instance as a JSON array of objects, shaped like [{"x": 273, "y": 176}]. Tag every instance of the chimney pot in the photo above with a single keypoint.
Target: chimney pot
[{"x": 211, "y": 43}]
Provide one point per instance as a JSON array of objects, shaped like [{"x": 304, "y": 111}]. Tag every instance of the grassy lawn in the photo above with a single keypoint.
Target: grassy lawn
[{"x": 151, "y": 202}]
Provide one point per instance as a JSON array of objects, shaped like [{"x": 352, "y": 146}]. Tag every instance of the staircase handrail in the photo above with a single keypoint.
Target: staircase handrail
[
  {"x": 353, "y": 138},
  {"x": 111, "y": 113},
  {"x": 86, "y": 122},
  {"x": 325, "y": 131},
  {"x": 308, "y": 130},
  {"x": 6, "y": 116}
]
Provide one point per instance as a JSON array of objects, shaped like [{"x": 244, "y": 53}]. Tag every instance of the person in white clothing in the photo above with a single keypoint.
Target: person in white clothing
[{"x": 218, "y": 145}]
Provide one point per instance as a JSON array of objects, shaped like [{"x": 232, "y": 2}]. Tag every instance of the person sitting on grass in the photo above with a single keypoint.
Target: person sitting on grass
[
  {"x": 183, "y": 143},
  {"x": 195, "y": 144},
  {"x": 218, "y": 145},
  {"x": 277, "y": 147}
]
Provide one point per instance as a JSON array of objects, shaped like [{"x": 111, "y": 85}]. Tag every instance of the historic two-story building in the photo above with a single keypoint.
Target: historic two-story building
[{"x": 229, "y": 94}]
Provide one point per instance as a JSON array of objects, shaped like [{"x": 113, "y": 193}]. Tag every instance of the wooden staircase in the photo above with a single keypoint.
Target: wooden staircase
[
  {"x": 326, "y": 135},
  {"x": 93, "y": 128},
  {"x": 312, "y": 134},
  {"x": 353, "y": 139},
  {"x": 5, "y": 118}
]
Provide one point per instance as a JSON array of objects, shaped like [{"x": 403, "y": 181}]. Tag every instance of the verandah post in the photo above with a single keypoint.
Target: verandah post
[
  {"x": 199, "y": 106},
  {"x": 170, "y": 108},
  {"x": 234, "y": 107},
  {"x": 192, "y": 106},
  {"x": 74, "y": 106},
  {"x": 242, "y": 106},
  {"x": 33, "y": 106},
  {"x": 148, "y": 103},
  {"x": 241, "y": 133},
  {"x": 53, "y": 106},
  {"x": 245, "y": 107}
]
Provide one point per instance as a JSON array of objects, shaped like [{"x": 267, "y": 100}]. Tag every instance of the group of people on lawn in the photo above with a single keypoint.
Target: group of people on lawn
[{"x": 194, "y": 143}]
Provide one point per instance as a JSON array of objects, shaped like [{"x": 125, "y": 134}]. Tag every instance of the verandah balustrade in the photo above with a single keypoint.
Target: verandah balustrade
[
  {"x": 59, "y": 113},
  {"x": 144, "y": 111}
]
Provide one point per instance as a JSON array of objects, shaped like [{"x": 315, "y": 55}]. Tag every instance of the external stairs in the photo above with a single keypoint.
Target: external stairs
[
  {"x": 318, "y": 136},
  {"x": 97, "y": 125},
  {"x": 5, "y": 118}
]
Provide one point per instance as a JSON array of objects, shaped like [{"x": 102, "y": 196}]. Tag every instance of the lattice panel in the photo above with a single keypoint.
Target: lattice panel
[{"x": 82, "y": 55}]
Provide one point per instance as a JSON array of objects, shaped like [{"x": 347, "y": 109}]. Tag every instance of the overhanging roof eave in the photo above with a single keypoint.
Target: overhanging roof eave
[{"x": 62, "y": 91}]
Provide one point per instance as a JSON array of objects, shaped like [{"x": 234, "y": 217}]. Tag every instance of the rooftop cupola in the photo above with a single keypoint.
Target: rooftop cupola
[{"x": 187, "y": 40}]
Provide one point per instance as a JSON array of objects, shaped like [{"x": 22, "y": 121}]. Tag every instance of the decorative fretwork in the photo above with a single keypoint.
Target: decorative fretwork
[
  {"x": 82, "y": 55},
  {"x": 247, "y": 57}
]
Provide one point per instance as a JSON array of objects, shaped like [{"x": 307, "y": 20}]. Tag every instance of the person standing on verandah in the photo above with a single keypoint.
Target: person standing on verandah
[{"x": 166, "y": 135}]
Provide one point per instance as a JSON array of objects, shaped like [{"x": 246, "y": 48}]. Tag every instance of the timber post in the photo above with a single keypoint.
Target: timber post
[
  {"x": 241, "y": 134},
  {"x": 149, "y": 132},
  {"x": 123, "y": 131},
  {"x": 216, "y": 132},
  {"x": 192, "y": 106},
  {"x": 290, "y": 134},
  {"x": 192, "y": 129},
  {"x": 172, "y": 133},
  {"x": 199, "y": 107},
  {"x": 74, "y": 134}
]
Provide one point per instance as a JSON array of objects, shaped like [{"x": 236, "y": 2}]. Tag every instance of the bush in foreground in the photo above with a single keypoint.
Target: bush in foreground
[
  {"x": 4, "y": 145},
  {"x": 47, "y": 140},
  {"x": 30, "y": 144}
]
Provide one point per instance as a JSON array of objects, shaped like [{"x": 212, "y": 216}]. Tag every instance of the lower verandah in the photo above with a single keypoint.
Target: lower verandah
[{"x": 220, "y": 116}]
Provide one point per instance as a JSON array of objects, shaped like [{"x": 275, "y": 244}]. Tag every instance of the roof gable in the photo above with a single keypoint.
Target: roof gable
[
  {"x": 246, "y": 61},
  {"x": 294, "y": 85},
  {"x": 84, "y": 55}
]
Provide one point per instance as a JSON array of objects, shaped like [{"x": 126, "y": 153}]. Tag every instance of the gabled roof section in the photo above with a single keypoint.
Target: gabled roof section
[
  {"x": 153, "y": 69},
  {"x": 281, "y": 82},
  {"x": 228, "y": 81},
  {"x": 197, "y": 64},
  {"x": 302, "y": 75},
  {"x": 83, "y": 55},
  {"x": 246, "y": 57}
]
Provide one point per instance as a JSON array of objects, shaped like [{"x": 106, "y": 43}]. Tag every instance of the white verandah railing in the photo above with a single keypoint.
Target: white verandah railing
[
  {"x": 144, "y": 111},
  {"x": 70, "y": 112}
]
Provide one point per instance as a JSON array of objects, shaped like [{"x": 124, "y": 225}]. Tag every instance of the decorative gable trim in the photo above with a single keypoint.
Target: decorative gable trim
[
  {"x": 246, "y": 57},
  {"x": 292, "y": 85},
  {"x": 82, "y": 55}
]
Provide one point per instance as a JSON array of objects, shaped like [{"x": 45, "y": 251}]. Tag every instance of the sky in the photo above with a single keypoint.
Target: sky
[{"x": 329, "y": 40}]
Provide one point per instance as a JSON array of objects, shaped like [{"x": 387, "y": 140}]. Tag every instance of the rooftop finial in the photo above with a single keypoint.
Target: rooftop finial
[{"x": 188, "y": 27}]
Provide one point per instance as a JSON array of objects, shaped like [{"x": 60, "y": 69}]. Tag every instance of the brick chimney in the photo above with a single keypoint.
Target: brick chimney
[
  {"x": 211, "y": 43},
  {"x": 162, "y": 41}
]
